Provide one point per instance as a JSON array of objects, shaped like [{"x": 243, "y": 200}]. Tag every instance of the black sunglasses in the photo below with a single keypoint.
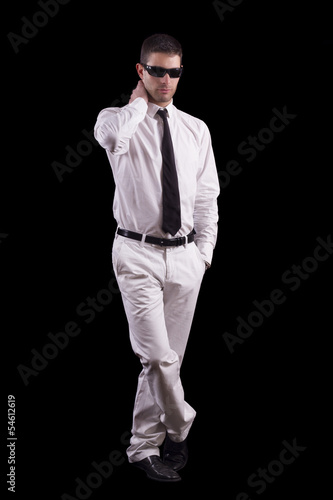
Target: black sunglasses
[{"x": 160, "y": 72}]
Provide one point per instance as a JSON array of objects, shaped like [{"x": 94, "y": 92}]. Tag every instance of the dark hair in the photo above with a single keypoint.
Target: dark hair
[{"x": 160, "y": 42}]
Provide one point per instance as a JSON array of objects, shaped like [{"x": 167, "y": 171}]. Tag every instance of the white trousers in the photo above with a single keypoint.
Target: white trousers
[{"x": 159, "y": 288}]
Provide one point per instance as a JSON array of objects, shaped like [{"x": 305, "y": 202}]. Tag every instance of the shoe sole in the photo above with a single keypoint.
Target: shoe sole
[{"x": 175, "y": 480}]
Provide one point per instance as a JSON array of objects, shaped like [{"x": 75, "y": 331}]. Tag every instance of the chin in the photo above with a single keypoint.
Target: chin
[
  {"x": 158, "y": 98},
  {"x": 163, "y": 98}
]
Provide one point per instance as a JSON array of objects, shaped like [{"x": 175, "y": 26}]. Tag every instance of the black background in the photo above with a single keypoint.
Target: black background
[{"x": 56, "y": 240}]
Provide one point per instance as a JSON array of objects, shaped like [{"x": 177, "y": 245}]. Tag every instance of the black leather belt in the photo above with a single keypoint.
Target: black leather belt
[{"x": 163, "y": 242}]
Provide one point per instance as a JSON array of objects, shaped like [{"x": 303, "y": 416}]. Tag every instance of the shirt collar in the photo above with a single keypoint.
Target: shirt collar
[{"x": 153, "y": 108}]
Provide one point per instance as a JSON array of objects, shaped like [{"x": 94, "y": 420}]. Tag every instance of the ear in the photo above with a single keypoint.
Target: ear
[{"x": 139, "y": 69}]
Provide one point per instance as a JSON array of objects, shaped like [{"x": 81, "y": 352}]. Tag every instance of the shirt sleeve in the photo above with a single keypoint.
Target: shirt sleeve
[
  {"x": 205, "y": 208},
  {"x": 115, "y": 126}
]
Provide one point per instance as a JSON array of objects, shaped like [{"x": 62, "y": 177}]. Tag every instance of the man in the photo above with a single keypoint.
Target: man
[{"x": 165, "y": 205}]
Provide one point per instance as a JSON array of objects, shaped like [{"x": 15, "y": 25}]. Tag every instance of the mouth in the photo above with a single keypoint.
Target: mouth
[{"x": 164, "y": 91}]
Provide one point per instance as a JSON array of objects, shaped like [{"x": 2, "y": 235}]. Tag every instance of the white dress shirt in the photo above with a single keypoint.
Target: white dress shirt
[{"x": 132, "y": 136}]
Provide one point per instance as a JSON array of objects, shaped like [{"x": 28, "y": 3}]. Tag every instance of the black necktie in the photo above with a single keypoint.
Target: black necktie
[{"x": 171, "y": 201}]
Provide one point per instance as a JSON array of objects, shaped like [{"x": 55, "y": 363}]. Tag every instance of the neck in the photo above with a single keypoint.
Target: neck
[{"x": 160, "y": 104}]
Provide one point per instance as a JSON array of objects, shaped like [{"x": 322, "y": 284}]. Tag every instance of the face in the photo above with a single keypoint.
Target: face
[{"x": 160, "y": 90}]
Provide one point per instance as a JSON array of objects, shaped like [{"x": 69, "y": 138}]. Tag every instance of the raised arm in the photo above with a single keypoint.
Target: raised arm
[{"x": 115, "y": 126}]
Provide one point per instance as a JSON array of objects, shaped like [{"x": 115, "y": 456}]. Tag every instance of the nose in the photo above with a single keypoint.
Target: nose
[{"x": 166, "y": 79}]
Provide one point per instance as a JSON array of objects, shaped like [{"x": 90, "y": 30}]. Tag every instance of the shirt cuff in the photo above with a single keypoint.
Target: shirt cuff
[
  {"x": 206, "y": 251},
  {"x": 140, "y": 104}
]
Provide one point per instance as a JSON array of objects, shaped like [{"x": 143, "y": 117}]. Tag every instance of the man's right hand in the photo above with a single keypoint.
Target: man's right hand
[{"x": 139, "y": 91}]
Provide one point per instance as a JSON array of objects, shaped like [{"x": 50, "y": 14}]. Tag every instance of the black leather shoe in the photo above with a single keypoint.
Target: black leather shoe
[
  {"x": 175, "y": 455},
  {"x": 157, "y": 470}
]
